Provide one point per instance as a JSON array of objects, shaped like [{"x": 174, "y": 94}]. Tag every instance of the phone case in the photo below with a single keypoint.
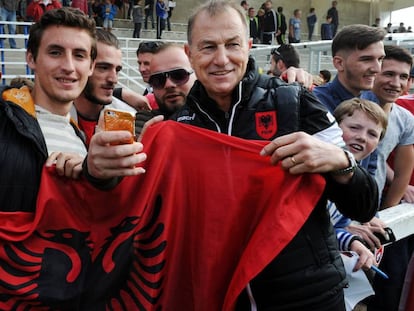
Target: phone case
[{"x": 118, "y": 120}]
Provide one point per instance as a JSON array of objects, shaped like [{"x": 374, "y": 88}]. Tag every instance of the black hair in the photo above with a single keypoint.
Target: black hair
[
  {"x": 356, "y": 37},
  {"x": 66, "y": 16}
]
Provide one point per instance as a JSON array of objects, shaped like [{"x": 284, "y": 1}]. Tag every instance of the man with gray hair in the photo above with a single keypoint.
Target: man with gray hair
[{"x": 232, "y": 98}]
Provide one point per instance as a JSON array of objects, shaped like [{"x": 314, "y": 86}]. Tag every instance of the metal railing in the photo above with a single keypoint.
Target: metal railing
[{"x": 315, "y": 55}]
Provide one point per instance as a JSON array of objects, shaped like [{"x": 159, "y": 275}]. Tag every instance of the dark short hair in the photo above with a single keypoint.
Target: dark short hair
[
  {"x": 356, "y": 37},
  {"x": 149, "y": 47},
  {"x": 107, "y": 38},
  {"x": 326, "y": 74},
  {"x": 66, "y": 16},
  {"x": 399, "y": 54},
  {"x": 288, "y": 54},
  {"x": 168, "y": 45}
]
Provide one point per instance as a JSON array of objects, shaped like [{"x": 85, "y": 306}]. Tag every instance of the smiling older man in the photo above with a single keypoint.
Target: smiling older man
[{"x": 232, "y": 98}]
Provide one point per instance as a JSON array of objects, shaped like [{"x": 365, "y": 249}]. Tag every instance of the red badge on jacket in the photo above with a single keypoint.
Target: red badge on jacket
[{"x": 266, "y": 125}]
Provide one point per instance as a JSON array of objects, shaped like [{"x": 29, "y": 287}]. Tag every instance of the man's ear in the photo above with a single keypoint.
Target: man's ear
[
  {"x": 250, "y": 43},
  {"x": 280, "y": 65},
  {"x": 93, "y": 63},
  {"x": 187, "y": 51},
  {"x": 30, "y": 60},
  {"x": 338, "y": 62}
]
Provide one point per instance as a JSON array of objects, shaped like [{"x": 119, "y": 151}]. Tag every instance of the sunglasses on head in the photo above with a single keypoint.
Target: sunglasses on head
[
  {"x": 177, "y": 76},
  {"x": 274, "y": 51}
]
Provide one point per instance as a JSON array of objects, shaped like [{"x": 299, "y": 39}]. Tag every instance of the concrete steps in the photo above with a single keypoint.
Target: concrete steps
[
  {"x": 151, "y": 34},
  {"x": 124, "y": 28}
]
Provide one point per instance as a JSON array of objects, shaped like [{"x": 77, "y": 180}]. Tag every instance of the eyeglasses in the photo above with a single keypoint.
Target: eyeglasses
[{"x": 177, "y": 76}]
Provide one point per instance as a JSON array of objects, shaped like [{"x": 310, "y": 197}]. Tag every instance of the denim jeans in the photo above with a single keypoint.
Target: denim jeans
[{"x": 9, "y": 16}]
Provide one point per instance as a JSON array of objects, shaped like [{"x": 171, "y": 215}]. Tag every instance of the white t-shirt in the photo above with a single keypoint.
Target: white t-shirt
[
  {"x": 400, "y": 132},
  {"x": 59, "y": 134}
]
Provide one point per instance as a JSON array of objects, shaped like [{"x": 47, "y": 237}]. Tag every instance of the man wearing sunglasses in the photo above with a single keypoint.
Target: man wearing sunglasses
[{"x": 171, "y": 80}]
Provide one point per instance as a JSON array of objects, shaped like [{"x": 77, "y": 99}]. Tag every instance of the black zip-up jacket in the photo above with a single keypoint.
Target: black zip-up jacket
[
  {"x": 309, "y": 271},
  {"x": 23, "y": 153}
]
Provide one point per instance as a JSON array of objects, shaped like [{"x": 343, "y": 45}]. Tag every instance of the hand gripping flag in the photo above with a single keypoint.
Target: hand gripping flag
[{"x": 207, "y": 216}]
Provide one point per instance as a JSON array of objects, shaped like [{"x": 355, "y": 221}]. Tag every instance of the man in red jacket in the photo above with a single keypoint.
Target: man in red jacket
[
  {"x": 36, "y": 8},
  {"x": 81, "y": 5}
]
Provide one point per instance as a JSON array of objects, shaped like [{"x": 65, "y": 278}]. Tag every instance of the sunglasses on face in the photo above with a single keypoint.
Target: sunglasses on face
[{"x": 177, "y": 76}]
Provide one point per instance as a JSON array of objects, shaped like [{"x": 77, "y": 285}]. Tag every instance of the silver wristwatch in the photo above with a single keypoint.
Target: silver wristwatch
[{"x": 352, "y": 165}]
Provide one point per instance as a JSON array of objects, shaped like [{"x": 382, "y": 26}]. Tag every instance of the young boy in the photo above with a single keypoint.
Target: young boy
[{"x": 363, "y": 124}]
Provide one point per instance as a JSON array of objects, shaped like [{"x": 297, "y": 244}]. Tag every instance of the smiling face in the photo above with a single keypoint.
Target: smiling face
[
  {"x": 62, "y": 67},
  {"x": 219, "y": 52},
  {"x": 360, "y": 133},
  {"x": 392, "y": 80},
  {"x": 144, "y": 63},
  {"x": 101, "y": 84},
  {"x": 357, "y": 69}
]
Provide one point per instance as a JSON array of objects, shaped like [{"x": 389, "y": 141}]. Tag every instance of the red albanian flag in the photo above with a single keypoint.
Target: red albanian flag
[{"x": 209, "y": 214}]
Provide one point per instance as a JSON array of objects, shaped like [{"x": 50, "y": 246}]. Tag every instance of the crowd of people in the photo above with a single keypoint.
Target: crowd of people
[
  {"x": 270, "y": 26},
  {"x": 267, "y": 25},
  {"x": 333, "y": 136},
  {"x": 103, "y": 12}
]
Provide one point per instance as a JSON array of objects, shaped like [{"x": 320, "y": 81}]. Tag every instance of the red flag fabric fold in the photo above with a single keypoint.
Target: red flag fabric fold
[{"x": 208, "y": 215}]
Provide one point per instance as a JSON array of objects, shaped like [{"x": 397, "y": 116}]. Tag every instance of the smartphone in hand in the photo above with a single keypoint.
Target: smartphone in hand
[{"x": 118, "y": 120}]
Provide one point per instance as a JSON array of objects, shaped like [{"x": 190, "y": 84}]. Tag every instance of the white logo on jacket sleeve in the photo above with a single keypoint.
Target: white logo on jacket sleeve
[{"x": 186, "y": 118}]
